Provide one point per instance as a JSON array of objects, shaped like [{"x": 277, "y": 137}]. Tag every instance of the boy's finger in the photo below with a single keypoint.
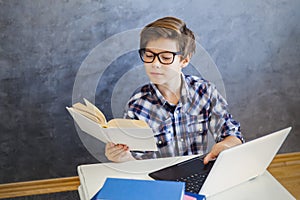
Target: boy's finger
[
  {"x": 109, "y": 145},
  {"x": 116, "y": 152},
  {"x": 208, "y": 158},
  {"x": 123, "y": 146}
]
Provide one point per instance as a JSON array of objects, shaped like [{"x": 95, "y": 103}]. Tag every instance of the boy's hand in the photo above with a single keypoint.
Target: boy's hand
[
  {"x": 117, "y": 152},
  {"x": 228, "y": 142}
]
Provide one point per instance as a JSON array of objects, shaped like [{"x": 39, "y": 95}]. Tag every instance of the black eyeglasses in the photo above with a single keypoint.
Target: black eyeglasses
[{"x": 165, "y": 57}]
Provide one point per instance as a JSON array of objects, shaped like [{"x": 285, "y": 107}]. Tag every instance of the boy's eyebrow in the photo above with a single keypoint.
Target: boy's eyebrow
[{"x": 163, "y": 50}]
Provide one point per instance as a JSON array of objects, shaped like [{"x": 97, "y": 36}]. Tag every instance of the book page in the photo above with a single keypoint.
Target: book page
[
  {"x": 96, "y": 110},
  {"x": 127, "y": 123},
  {"x": 87, "y": 114}
]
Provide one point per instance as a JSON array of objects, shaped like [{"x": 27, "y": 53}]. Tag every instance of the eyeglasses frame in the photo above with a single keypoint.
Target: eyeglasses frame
[{"x": 143, "y": 50}]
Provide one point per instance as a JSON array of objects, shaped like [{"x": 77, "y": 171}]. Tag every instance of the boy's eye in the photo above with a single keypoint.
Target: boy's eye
[
  {"x": 149, "y": 55},
  {"x": 166, "y": 58}
]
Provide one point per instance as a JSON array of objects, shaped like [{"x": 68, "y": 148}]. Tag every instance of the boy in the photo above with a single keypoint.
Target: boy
[{"x": 180, "y": 109}]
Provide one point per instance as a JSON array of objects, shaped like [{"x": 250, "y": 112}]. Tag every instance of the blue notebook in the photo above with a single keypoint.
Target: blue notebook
[{"x": 123, "y": 189}]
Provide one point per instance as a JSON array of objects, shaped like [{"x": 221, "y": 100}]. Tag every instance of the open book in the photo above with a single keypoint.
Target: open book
[{"x": 134, "y": 133}]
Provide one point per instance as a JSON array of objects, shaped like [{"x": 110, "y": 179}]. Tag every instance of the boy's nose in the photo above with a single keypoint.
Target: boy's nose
[{"x": 156, "y": 63}]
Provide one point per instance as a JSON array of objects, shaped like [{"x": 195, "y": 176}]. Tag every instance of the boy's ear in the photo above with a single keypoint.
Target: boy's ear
[{"x": 186, "y": 61}]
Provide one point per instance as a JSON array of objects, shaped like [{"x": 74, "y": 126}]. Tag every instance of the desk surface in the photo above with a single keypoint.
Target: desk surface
[
  {"x": 92, "y": 177},
  {"x": 285, "y": 168}
]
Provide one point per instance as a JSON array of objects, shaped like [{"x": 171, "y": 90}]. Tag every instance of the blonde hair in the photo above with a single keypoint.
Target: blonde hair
[{"x": 170, "y": 28}]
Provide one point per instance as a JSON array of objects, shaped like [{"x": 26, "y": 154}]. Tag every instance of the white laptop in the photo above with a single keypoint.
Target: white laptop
[{"x": 233, "y": 166}]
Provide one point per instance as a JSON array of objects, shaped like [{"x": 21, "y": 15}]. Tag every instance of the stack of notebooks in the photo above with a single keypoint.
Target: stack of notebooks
[{"x": 133, "y": 189}]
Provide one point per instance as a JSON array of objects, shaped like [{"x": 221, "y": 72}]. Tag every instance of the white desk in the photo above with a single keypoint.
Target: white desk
[{"x": 93, "y": 176}]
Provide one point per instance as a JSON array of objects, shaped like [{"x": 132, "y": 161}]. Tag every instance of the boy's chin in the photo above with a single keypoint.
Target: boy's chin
[{"x": 157, "y": 82}]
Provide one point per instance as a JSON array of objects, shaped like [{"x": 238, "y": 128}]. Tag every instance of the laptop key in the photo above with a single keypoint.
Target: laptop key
[{"x": 194, "y": 182}]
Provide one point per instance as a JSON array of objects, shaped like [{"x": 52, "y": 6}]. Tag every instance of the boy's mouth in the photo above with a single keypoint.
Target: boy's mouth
[{"x": 155, "y": 73}]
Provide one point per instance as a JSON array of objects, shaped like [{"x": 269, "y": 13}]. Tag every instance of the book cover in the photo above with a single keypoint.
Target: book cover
[{"x": 133, "y": 189}]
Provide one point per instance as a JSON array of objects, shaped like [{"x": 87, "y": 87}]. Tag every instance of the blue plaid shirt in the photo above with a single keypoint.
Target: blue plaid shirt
[{"x": 182, "y": 129}]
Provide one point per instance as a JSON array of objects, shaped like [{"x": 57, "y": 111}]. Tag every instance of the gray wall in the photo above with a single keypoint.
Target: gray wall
[{"x": 255, "y": 44}]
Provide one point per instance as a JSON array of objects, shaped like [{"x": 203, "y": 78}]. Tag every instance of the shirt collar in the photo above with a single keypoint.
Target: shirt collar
[
  {"x": 185, "y": 97},
  {"x": 156, "y": 93}
]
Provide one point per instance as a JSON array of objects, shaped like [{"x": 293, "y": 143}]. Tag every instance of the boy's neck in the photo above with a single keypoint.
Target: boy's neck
[{"x": 172, "y": 91}]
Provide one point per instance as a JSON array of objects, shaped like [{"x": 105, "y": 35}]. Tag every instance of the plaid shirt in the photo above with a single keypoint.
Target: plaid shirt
[{"x": 182, "y": 129}]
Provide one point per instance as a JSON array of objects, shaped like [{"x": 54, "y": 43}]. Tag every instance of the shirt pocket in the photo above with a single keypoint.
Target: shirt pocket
[
  {"x": 197, "y": 129},
  {"x": 196, "y": 124},
  {"x": 164, "y": 133}
]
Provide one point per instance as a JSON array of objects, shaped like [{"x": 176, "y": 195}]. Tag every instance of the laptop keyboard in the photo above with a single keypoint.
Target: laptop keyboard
[
  {"x": 193, "y": 172},
  {"x": 193, "y": 183}
]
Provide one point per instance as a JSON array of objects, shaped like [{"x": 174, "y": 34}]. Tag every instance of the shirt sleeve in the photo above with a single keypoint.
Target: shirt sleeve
[
  {"x": 129, "y": 114},
  {"x": 222, "y": 123}
]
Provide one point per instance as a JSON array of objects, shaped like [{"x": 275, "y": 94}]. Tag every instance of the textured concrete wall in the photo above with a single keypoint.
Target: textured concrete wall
[{"x": 43, "y": 44}]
